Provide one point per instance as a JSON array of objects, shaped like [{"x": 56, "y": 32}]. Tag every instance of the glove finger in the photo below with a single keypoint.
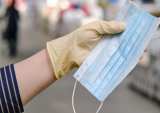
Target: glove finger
[{"x": 111, "y": 27}]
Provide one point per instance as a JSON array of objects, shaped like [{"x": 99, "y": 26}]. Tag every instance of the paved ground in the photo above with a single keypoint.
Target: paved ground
[{"x": 57, "y": 98}]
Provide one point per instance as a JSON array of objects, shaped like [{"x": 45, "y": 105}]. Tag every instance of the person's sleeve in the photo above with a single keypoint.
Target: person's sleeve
[{"x": 10, "y": 100}]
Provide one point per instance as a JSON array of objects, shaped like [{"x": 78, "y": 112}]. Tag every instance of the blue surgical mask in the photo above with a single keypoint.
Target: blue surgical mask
[{"x": 114, "y": 58}]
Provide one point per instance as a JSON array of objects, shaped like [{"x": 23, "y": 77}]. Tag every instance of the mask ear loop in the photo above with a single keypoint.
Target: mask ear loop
[
  {"x": 73, "y": 99},
  {"x": 73, "y": 95}
]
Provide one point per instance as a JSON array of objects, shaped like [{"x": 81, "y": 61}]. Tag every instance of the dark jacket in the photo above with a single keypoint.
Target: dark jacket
[{"x": 12, "y": 16}]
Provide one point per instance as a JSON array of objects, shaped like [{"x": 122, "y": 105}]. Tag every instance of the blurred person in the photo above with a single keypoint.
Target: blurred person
[
  {"x": 33, "y": 13},
  {"x": 11, "y": 31},
  {"x": 19, "y": 83},
  {"x": 148, "y": 1}
]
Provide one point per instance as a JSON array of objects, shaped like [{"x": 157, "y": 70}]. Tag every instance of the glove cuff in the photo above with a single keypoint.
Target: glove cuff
[
  {"x": 59, "y": 54},
  {"x": 53, "y": 56}
]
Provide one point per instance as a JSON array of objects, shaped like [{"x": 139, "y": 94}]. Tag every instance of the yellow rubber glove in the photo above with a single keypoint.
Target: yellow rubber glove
[{"x": 71, "y": 50}]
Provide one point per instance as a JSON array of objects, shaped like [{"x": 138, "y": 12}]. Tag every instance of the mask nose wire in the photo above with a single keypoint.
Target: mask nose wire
[{"x": 73, "y": 99}]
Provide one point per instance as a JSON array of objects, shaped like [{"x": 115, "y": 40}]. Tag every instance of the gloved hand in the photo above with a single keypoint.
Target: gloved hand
[{"x": 71, "y": 50}]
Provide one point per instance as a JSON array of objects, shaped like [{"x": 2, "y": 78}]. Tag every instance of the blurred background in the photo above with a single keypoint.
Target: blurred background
[{"x": 26, "y": 26}]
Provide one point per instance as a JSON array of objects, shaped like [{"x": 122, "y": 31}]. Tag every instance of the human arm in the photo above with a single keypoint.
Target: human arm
[
  {"x": 19, "y": 83},
  {"x": 34, "y": 75},
  {"x": 61, "y": 56}
]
